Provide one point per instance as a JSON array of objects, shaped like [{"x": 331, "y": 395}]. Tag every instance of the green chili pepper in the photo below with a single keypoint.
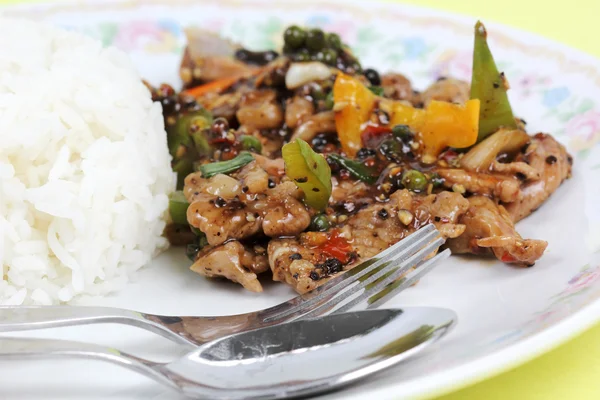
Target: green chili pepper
[
  {"x": 377, "y": 90},
  {"x": 187, "y": 142},
  {"x": 489, "y": 86},
  {"x": 309, "y": 171},
  {"x": 188, "y": 131},
  {"x": 356, "y": 169},
  {"x": 183, "y": 167},
  {"x": 178, "y": 206},
  {"x": 250, "y": 143},
  {"x": 225, "y": 167}
]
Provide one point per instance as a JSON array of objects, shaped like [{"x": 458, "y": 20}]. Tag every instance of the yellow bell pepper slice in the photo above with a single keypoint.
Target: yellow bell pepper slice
[
  {"x": 440, "y": 125},
  {"x": 353, "y": 103}
]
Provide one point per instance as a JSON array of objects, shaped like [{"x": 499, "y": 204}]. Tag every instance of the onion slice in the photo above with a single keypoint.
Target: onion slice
[{"x": 483, "y": 154}]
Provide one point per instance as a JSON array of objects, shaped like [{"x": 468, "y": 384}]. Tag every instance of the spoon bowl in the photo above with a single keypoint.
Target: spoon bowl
[{"x": 306, "y": 357}]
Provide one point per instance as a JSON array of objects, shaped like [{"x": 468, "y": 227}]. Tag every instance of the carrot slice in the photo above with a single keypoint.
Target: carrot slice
[
  {"x": 219, "y": 85},
  {"x": 213, "y": 87}
]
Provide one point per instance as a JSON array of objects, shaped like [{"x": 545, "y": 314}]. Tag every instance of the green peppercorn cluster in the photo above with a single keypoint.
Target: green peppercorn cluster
[{"x": 316, "y": 45}]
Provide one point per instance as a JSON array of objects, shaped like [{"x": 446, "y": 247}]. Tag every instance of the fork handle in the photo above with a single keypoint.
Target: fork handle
[
  {"x": 13, "y": 348},
  {"x": 24, "y": 318}
]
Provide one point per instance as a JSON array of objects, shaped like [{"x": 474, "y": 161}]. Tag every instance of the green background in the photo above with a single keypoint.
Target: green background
[{"x": 571, "y": 371}]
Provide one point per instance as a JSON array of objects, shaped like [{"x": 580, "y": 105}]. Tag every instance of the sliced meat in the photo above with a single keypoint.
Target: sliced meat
[
  {"x": 221, "y": 105},
  {"x": 255, "y": 259},
  {"x": 254, "y": 179},
  {"x": 516, "y": 168},
  {"x": 241, "y": 206},
  {"x": 231, "y": 261},
  {"x": 490, "y": 229},
  {"x": 553, "y": 164},
  {"x": 309, "y": 260},
  {"x": 222, "y": 220},
  {"x": 323, "y": 122},
  {"x": 350, "y": 190},
  {"x": 297, "y": 110},
  {"x": 273, "y": 166},
  {"x": 208, "y": 57},
  {"x": 259, "y": 109},
  {"x": 285, "y": 214},
  {"x": 293, "y": 263},
  {"x": 450, "y": 90},
  {"x": 378, "y": 226},
  {"x": 397, "y": 86},
  {"x": 505, "y": 188}
]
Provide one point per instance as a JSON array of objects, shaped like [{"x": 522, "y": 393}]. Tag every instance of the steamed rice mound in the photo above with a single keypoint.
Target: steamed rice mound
[{"x": 84, "y": 167}]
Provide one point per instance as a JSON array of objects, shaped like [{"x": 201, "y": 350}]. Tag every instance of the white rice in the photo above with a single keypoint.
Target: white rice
[{"x": 84, "y": 166}]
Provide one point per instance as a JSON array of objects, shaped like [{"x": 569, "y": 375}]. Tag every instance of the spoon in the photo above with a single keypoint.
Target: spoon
[{"x": 293, "y": 359}]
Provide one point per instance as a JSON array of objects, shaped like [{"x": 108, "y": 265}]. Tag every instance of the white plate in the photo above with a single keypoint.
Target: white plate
[{"x": 507, "y": 315}]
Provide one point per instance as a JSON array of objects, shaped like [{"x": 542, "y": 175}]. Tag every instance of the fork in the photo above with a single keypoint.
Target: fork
[{"x": 373, "y": 281}]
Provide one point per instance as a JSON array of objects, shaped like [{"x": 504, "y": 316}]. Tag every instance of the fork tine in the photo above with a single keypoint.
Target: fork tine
[
  {"x": 403, "y": 249},
  {"x": 394, "y": 288},
  {"x": 407, "y": 246},
  {"x": 383, "y": 278},
  {"x": 408, "y": 243},
  {"x": 392, "y": 274}
]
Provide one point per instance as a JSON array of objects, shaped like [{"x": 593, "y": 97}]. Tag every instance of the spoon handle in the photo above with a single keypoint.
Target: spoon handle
[
  {"x": 13, "y": 348},
  {"x": 23, "y": 318}
]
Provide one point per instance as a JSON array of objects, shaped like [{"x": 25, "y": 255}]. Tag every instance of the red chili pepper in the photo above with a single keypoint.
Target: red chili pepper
[
  {"x": 372, "y": 135},
  {"x": 220, "y": 140},
  {"x": 507, "y": 258},
  {"x": 337, "y": 247},
  {"x": 372, "y": 131},
  {"x": 376, "y": 130},
  {"x": 449, "y": 155}
]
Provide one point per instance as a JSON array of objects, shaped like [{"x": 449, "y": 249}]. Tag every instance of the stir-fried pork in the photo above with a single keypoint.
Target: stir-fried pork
[
  {"x": 209, "y": 57},
  {"x": 553, "y": 164},
  {"x": 384, "y": 183},
  {"x": 304, "y": 263},
  {"x": 227, "y": 208},
  {"x": 516, "y": 168},
  {"x": 398, "y": 87},
  {"x": 449, "y": 89},
  {"x": 260, "y": 110},
  {"x": 507, "y": 189},
  {"x": 234, "y": 262},
  {"x": 297, "y": 110},
  {"x": 489, "y": 228},
  {"x": 323, "y": 122}
]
